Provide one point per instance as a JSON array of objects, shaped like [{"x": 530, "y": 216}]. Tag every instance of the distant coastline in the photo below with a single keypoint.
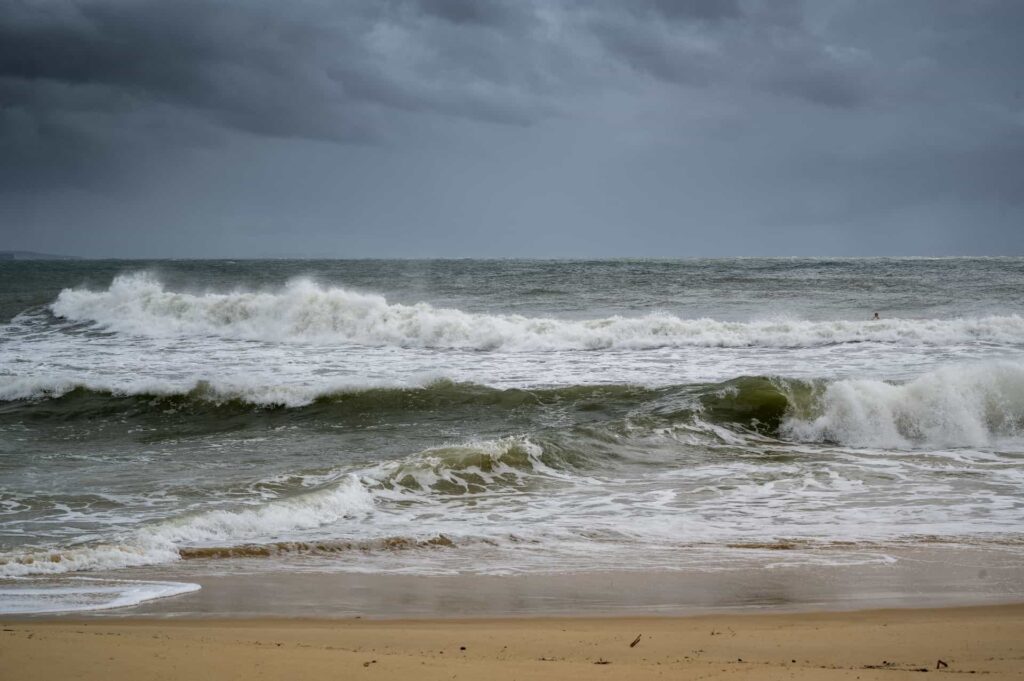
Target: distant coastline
[{"x": 32, "y": 255}]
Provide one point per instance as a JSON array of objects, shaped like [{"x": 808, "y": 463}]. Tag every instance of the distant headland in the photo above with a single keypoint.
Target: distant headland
[{"x": 32, "y": 255}]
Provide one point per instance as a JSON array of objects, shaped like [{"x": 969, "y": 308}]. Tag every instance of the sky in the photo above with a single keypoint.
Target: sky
[{"x": 511, "y": 128}]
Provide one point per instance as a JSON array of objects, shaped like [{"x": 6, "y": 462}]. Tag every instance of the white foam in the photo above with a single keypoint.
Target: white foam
[
  {"x": 267, "y": 521},
  {"x": 243, "y": 388},
  {"x": 465, "y": 466},
  {"x": 304, "y": 311},
  {"x": 101, "y": 557},
  {"x": 972, "y": 405},
  {"x": 78, "y": 594},
  {"x": 159, "y": 543}
]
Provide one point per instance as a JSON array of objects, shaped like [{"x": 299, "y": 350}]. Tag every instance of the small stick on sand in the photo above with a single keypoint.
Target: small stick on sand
[{"x": 635, "y": 641}]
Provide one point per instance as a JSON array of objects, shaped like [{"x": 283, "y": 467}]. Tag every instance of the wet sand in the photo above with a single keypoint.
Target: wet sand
[
  {"x": 752, "y": 581},
  {"x": 763, "y": 620},
  {"x": 877, "y": 644}
]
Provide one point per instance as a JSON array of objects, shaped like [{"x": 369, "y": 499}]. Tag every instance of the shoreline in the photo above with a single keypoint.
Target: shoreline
[
  {"x": 866, "y": 644},
  {"x": 748, "y": 581}
]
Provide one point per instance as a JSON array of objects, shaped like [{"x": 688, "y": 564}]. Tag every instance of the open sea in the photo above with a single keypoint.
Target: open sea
[{"x": 499, "y": 417}]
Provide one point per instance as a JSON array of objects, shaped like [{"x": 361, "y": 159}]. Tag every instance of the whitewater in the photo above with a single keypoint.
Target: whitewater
[
  {"x": 304, "y": 311},
  {"x": 164, "y": 421}
]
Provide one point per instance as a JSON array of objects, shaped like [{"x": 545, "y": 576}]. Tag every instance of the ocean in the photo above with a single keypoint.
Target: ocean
[{"x": 471, "y": 417}]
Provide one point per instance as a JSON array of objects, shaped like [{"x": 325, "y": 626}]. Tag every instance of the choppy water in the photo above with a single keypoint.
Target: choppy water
[{"x": 493, "y": 416}]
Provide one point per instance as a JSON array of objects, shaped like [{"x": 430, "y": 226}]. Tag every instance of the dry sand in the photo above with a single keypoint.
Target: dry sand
[{"x": 878, "y": 644}]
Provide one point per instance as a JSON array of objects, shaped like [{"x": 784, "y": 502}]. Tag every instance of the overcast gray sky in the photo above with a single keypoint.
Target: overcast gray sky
[{"x": 517, "y": 128}]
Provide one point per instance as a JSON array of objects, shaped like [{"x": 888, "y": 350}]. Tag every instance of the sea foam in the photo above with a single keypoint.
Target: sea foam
[
  {"x": 971, "y": 405},
  {"x": 159, "y": 543},
  {"x": 304, "y": 311},
  {"x": 78, "y": 594}
]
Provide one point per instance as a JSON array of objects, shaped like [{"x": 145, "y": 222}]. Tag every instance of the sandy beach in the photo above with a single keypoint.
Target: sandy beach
[{"x": 875, "y": 644}]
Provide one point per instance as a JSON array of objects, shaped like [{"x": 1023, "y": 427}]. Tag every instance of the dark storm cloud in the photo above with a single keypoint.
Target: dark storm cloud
[
  {"x": 760, "y": 46},
  {"x": 805, "y": 113},
  {"x": 74, "y": 76},
  {"x": 482, "y": 12},
  {"x": 323, "y": 72},
  {"x": 687, "y": 10}
]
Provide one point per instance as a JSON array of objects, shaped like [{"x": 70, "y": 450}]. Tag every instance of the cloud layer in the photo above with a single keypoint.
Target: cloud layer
[{"x": 842, "y": 118}]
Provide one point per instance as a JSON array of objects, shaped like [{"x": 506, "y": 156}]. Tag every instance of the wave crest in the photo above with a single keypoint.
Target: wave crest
[
  {"x": 470, "y": 468},
  {"x": 304, "y": 311},
  {"x": 967, "y": 405},
  {"x": 958, "y": 406}
]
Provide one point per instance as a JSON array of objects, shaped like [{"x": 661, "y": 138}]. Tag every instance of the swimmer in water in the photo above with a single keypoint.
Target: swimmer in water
[{"x": 876, "y": 317}]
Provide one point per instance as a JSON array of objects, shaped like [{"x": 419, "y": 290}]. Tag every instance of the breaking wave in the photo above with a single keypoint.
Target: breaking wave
[
  {"x": 304, "y": 311},
  {"x": 267, "y": 528},
  {"x": 973, "y": 405},
  {"x": 978, "y": 405},
  {"x": 161, "y": 542},
  {"x": 965, "y": 405},
  {"x": 80, "y": 393},
  {"x": 84, "y": 396},
  {"x": 470, "y": 468}
]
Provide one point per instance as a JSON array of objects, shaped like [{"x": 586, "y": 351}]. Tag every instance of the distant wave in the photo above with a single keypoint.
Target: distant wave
[{"x": 304, "y": 311}]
